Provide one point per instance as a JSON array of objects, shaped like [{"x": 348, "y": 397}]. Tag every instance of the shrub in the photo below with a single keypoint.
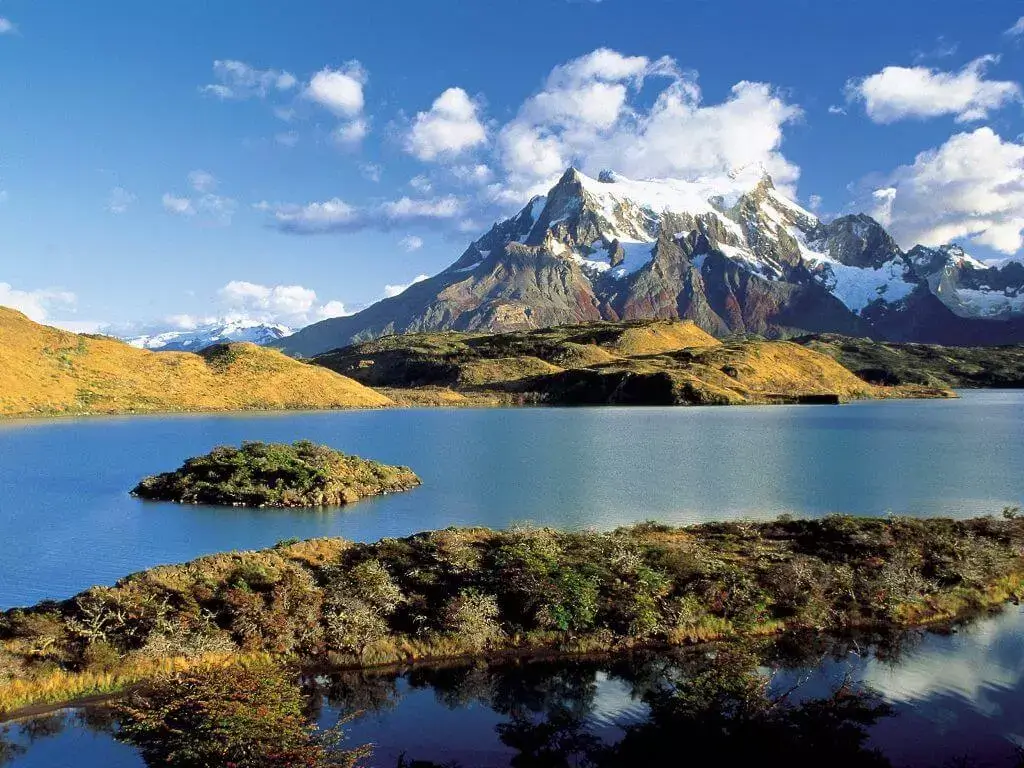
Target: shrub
[
  {"x": 352, "y": 625},
  {"x": 473, "y": 616}
]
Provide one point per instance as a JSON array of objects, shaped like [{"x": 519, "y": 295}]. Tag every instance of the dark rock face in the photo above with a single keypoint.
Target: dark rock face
[{"x": 739, "y": 259}]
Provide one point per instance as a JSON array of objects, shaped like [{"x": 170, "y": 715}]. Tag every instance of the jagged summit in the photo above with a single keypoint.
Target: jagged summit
[{"x": 731, "y": 252}]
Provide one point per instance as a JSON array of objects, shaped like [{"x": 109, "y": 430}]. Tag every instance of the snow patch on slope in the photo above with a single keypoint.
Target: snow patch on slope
[
  {"x": 858, "y": 287},
  {"x": 763, "y": 266},
  {"x": 983, "y": 303}
]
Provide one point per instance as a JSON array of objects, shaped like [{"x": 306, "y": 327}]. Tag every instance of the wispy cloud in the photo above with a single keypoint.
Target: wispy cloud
[
  {"x": 1017, "y": 29},
  {"x": 411, "y": 243},
  {"x": 205, "y": 203},
  {"x": 7, "y": 27},
  {"x": 119, "y": 200},
  {"x": 335, "y": 215},
  {"x": 238, "y": 80}
]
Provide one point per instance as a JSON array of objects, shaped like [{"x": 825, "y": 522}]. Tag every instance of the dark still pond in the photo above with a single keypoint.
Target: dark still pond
[
  {"x": 68, "y": 522},
  {"x": 917, "y": 700}
]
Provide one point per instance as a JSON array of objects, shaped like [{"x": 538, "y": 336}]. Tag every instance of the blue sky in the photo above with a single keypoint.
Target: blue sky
[{"x": 340, "y": 149}]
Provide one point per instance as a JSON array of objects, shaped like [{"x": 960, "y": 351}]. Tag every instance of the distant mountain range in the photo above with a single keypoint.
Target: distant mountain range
[
  {"x": 732, "y": 254},
  {"x": 197, "y": 339}
]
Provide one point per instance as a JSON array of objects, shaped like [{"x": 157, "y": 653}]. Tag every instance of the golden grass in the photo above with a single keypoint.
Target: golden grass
[
  {"x": 753, "y": 372},
  {"x": 59, "y": 686},
  {"x": 502, "y": 369},
  {"x": 662, "y": 336},
  {"x": 46, "y": 371}
]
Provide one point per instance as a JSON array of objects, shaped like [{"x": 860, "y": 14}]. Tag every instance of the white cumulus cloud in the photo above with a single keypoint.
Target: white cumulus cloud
[
  {"x": 450, "y": 127},
  {"x": 590, "y": 113},
  {"x": 327, "y": 216},
  {"x": 898, "y": 93},
  {"x": 351, "y": 133},
  {"x": 1017, "y": 29},
  {"x": 291, "y": 305},
  {"x": 339, "y": 90},
  {"x": 970, "y": 187}
]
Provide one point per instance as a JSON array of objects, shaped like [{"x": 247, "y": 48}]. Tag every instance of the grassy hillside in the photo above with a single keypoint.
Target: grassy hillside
[
  {"x": 47, "y": 371},
  {"x": 654, "y": 362},
  {"x": 927, "y": 364}
]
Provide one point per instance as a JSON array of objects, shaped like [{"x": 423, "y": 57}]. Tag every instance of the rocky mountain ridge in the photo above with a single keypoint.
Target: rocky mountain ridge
[{"x": 732, "y": 254}]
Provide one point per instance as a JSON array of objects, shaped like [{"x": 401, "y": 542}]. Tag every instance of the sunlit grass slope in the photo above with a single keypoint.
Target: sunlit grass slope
[{"x": 46, "y": 371}]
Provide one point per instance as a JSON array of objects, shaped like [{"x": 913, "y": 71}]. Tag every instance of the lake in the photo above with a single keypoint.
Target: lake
[{"x": 68, "y": 521}]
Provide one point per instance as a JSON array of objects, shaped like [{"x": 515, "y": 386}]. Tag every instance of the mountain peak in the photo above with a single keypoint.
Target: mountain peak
[{"x": 572, "y": 175}]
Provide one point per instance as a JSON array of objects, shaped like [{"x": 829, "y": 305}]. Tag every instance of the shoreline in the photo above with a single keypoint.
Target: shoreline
[
  {"x": 510, "y": 655},
  {"x": 463, "y": 594},
  {"x": 469, "y": 403}
]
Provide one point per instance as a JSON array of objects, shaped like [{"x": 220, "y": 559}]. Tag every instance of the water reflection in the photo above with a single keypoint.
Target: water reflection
[{"x": 913, "y": 699}]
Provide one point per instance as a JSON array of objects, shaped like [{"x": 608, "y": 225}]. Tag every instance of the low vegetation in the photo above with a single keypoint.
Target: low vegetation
[
  {"x": 652, "y": 362},
  {"x": 46, "y": 371},
  {"x": 454, "y": 593},
  {"x": 927, "y": 365},
  {"x": 244, "y": 716},
  {"x": 276, "y": 475}
]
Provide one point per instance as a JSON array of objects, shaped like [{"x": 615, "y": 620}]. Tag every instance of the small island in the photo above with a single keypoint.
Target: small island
[{"x": 302, "y": 474}]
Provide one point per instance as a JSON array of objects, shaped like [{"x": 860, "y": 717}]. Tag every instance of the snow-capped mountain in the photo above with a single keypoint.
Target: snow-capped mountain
[
  {"x": 732, "y": 253},
  {"x": 196, "y": 339}
]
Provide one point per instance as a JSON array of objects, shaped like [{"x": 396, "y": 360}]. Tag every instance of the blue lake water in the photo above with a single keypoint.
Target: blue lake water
[{"x": 68, "y": 522}]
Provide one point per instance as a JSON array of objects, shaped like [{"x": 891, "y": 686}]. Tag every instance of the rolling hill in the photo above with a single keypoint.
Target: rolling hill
[{"x": 47, "y": 371}]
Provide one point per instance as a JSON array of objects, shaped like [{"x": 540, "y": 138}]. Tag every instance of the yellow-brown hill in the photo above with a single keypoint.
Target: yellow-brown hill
[
  {"x": 46, "y": 371},
  {"x": 649, "y": 362}
]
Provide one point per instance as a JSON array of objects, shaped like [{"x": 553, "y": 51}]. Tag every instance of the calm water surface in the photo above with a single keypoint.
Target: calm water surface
[
  {"x": 68, "y": 522},
  {"x": 952, "y": 697}
]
